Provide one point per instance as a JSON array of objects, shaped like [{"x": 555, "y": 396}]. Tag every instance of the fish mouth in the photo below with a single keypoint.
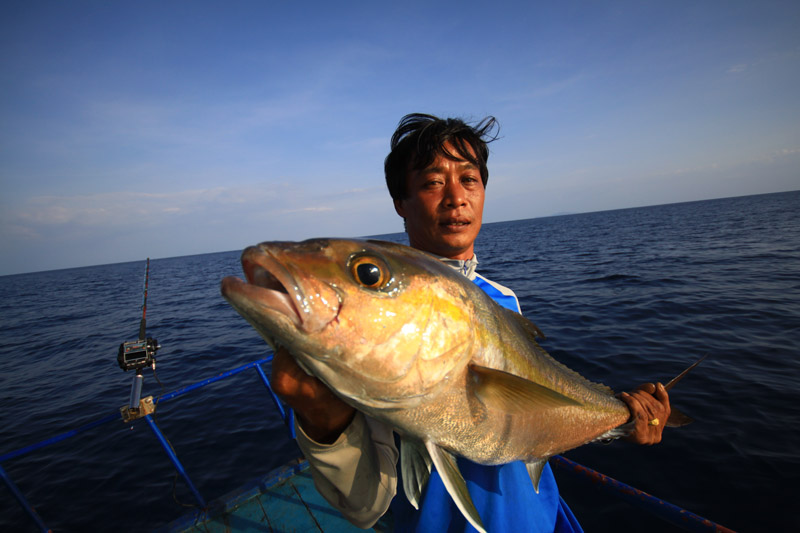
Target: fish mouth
[
  {"x": 281, "y": 287},
  {"x": 269, "y": 287}
]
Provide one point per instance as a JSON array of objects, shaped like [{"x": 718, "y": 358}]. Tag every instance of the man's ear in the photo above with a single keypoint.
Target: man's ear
[{"x": 398, "y": 207}]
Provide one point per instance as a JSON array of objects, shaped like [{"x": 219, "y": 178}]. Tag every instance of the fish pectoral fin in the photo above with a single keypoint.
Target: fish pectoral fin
[
  {"x": 535, "y": 472},
  {"x": 506, "y": 392},
  {"x": 415, "y": 463},
  {"x": 454, "y": 483}
]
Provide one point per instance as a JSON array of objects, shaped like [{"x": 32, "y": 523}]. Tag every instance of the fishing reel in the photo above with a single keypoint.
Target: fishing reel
[{"x": 136, "y": 355}]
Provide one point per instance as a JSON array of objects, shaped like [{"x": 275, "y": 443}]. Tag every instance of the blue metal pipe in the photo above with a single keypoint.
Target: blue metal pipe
[
  {"x": 116, "y": 414},
  {"x": 188, "y": 388},
  {"x": 174, "y": 458},
  {"x": 666, "y": 511},
  {"x": 288, "y": 418},
  {"x": 58, "y": 438},
  {"x": 23, "y": 502}
]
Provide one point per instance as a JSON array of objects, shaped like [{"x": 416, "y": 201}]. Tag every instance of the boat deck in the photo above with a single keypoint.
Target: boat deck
[{"x": 284, "y": 500}]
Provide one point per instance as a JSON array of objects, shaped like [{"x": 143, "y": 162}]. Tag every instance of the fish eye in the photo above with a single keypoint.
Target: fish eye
[{"x": 370, "y": 272}]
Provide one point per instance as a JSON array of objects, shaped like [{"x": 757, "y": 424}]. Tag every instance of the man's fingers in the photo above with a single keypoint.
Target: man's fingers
[
  {"x": 634, "y": 405},
  {"x": 649, "y": 388},
  {"x": 645, "y": 410},
  {"x": 661, "y": 394}
]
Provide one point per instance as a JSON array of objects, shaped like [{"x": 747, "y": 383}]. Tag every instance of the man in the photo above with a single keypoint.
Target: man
[{"x": 436, "y": 174}]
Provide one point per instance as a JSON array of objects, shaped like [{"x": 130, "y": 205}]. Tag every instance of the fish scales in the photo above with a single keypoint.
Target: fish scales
[{"x": 404, "y": 338}]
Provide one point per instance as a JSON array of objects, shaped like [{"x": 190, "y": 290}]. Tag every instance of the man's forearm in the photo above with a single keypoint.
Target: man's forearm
[{"x": 357, "y": 472}]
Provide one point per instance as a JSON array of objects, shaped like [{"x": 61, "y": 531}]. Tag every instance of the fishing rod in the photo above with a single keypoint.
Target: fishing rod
[
  {"x": 142, "y": 334},
  {"x": 137, "y": 355}
]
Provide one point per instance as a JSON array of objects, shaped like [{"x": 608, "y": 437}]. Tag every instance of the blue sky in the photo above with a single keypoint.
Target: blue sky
[{"x": 136, "y": 129}]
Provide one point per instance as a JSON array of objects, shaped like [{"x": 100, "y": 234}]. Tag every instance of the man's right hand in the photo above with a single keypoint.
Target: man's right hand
[{"x": 321, "y": 414}]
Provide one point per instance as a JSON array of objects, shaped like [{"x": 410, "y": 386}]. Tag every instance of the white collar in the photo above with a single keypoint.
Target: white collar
[{"x": 464, "y": 266}]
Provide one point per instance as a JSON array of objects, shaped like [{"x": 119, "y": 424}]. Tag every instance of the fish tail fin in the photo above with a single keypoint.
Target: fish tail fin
[
  {"x": 674, "y": 381},
  {"x": 677, "y": 418}
]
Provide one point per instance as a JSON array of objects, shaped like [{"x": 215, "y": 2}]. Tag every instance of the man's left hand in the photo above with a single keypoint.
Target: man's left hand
[{"x": 649, "y": 406}]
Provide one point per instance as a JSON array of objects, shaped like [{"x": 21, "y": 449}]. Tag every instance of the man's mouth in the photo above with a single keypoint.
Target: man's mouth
[{"x": 455, "y": 223}]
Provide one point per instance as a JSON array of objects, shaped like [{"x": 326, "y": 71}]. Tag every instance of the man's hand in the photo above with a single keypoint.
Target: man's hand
[
  {"x": 322, "y": 415},
  {"x": 649, "y": 406}
]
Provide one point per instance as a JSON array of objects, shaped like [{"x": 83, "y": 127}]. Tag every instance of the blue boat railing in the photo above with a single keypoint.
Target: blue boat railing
[
  {"x": 286, "y": 414},
  {"x": 664, "y": 510}
]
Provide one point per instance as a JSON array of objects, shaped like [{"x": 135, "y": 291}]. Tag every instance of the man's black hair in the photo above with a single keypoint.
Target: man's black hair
[{"x": 420, "y": 138}]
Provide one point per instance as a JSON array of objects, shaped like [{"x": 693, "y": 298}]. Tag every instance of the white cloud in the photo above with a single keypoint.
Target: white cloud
[
  {"x": 541, "y": 90},
  {"x": 120, "y": 226},
  {"x": 113, "y": 209},
  {"x": 313, "y": 209}
]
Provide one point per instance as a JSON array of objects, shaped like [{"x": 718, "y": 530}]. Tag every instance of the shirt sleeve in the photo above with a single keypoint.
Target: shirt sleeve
[{"x": 357, "y": 474}]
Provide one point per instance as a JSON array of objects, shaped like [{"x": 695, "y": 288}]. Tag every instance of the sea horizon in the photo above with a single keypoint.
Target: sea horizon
[{"x": 555, "y": 215}]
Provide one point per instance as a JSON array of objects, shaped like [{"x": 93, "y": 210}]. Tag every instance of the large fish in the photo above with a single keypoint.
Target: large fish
[{"x": 406, "y": 339}]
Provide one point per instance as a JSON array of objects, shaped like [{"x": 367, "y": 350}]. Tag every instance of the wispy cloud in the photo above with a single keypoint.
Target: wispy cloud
[
  {"x": 222, "y": 206},
  {"x": 542, "y": 91},
  {"x": 736, "y": 69},
  {"x": 313, "y": 209},
  {"x": 125, "y": 208}
]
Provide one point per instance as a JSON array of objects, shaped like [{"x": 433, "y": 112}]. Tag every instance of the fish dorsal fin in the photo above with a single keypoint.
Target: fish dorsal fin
[
  {"x": 416, "y": 467},
  {"x": 506, "y": 392},
  {"x": 529, "y": 327},
  {"x": 533, "y": 332},
  {"x": 535, "y": 472},
  {"x": 454, "y": 483}
]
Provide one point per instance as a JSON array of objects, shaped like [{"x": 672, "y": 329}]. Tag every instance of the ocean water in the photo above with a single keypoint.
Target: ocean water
[{"x": 624, "y": 297}]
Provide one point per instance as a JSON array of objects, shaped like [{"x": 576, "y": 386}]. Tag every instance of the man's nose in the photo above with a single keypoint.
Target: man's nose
[{"x": 454, "y": 194}]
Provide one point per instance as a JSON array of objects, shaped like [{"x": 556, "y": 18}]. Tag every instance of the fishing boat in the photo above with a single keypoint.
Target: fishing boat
[{"x": 284, "y": 499}]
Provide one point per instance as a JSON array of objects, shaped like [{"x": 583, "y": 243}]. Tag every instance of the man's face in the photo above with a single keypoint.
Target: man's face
[{"x": 444, "y": 207}]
